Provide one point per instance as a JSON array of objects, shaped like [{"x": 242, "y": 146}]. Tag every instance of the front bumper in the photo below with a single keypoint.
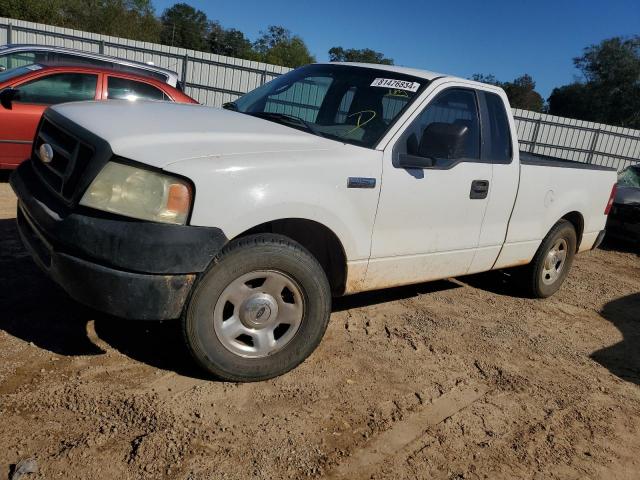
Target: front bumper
[{"x": 124, "y": 267}]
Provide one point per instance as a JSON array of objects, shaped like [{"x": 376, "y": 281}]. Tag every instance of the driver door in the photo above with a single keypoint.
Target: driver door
[{"x": 429, "y": 219}]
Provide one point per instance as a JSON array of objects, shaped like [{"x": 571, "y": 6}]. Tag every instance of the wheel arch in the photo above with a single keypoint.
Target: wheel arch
[
  {"x": 576, "y": 219},
  {"x": 318, "y": 239}
]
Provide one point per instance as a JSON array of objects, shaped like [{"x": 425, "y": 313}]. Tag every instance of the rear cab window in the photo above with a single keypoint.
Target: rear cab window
[{"x": 498, "y": 140}]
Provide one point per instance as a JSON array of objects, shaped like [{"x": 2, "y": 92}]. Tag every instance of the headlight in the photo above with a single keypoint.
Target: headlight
[{"x": 139, "y": 193}]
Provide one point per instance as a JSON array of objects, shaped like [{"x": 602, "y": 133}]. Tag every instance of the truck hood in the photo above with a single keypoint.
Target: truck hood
[{"x": 160, "y": 133}]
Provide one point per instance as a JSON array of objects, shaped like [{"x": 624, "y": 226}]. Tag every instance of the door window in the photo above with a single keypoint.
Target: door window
[
  {"x": 453, "y": 106},
  {"x": 59, "y": 88},
  {"x": 125, "y": 89}
]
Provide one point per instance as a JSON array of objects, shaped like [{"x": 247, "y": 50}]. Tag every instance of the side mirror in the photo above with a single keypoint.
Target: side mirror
[
  {"x": 7, "y": 96},
  {"x": 444, "y": 141}
]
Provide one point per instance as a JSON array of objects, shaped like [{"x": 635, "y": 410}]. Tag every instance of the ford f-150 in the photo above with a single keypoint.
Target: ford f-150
[{"x": 330, "y": 180}]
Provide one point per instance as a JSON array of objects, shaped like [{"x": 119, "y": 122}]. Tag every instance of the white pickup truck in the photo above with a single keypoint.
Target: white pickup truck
[{"x": 330, "y": 180}]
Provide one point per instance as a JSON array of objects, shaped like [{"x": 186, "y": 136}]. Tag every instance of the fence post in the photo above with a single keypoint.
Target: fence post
[
  {"x": 10, "y": 34},
  {"x": 594, "y": 144},
  {"x": 101, "y": 47},
  {"x": 534, "y": 139},
  {"x": 185, "y": 62}
]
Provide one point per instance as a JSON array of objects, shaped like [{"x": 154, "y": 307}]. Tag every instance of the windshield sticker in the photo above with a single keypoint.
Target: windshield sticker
[
  {"x": 396, "y": 84},
  {"x": 34, "y": 67}
]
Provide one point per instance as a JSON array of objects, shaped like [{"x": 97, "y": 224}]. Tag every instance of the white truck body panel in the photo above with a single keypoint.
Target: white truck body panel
[
  {"x": 411, "y": 227},
  {"x": 548, "y": 194}
]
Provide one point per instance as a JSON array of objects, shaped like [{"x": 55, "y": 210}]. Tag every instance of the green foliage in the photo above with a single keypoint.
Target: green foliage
[
  {"x": 133, "y": 19},
  {"x": 184, "y": 26},
  {"x": 572, "y": 101},
  {"x": 521, "y": 91},
  {"x": 365, "y": 55},
  {"x": 229, "y": 42},
  {"x": 610, "y": 91},
  {"x": 277, "y": 46}
]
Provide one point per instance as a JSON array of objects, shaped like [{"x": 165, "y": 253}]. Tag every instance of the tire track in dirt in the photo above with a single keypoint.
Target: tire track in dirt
[{"x": 405, "y": 433}]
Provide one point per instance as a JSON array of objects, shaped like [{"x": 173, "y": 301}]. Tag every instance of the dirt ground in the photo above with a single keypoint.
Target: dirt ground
[{"x": 458, "y": 379}]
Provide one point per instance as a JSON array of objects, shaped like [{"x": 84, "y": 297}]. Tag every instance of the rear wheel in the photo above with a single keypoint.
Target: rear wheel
[
  {"x": 259, "y": 311},
  {"x": 550, "y": 266}
]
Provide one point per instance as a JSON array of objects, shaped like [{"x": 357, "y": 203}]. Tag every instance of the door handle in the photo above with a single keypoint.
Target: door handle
[{"x": 479, "y": 189}]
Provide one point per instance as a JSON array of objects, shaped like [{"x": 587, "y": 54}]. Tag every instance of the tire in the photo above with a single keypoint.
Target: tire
[
  {"x": 259, "y": 311},
  {"x": 546, "y": 273}
]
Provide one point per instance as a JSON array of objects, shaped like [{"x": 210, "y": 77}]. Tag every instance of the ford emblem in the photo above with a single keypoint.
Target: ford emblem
[{"x": 45, "y": 152}]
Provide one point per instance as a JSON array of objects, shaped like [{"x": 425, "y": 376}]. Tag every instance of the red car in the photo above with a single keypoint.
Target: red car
[{"x": 25, "y": 92}]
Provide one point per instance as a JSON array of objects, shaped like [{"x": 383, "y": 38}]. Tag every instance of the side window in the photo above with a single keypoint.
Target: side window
[
  {"x": 59, "y": 88},
  {"x": 499, "y": 131},
  {"x": 124, "y": 89},
  {"x": 457, "y": 107}
]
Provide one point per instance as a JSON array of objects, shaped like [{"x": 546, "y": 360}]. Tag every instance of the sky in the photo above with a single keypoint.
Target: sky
[{"x": 462, "y": 37}]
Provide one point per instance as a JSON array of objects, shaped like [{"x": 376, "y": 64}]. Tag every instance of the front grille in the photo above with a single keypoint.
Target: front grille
[{"x": 70, "y": 159}]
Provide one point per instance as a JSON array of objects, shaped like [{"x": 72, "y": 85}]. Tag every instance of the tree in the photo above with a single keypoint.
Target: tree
[
  {"x": 521, "y": 91},
  {"x": 278, "y": 46},
  {"x": 184, "y": 26},
  {"x": 573, "y": 101},
  {"x": 365, "y": 55},
  {"x": 609, "y": 91},
  {"x": 229, "y": 42},
  {"x": 133, "y": 19}
]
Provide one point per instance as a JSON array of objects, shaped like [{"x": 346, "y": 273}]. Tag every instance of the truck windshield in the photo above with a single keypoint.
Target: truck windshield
[{"x": 350, "y": 104}]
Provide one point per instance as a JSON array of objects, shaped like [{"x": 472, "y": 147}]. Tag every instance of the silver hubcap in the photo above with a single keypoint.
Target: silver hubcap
[
  {"x": 258, "y": 313},
  {"x": 554, "y": 262}
]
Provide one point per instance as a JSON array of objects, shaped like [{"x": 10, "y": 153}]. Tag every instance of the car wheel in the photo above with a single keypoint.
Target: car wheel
[
  {"x": 260, "y": 310},
  {"x": 551, "y": 263}
]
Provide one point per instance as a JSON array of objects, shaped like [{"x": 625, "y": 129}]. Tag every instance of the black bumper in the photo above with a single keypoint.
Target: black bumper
[
  {"x": 624, "y": 222},
  {"x": 124, "y": 267}
]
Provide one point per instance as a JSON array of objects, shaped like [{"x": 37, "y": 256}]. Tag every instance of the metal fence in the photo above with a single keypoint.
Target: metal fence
[
  {"x": 215, "y": 79},
  {"x": 210, "y": 79},
  {"x": 577, "y": 140}
]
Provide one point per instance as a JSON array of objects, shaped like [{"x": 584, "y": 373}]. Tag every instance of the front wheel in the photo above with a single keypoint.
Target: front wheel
[
  {"x": 551, "y": 263},
  {"x": 259, "y": 311}
]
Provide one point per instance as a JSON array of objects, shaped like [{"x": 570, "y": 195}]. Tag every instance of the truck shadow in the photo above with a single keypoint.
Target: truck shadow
[
  {"x": 37, "y": 311},
  {"x": 623, "y": 358}
]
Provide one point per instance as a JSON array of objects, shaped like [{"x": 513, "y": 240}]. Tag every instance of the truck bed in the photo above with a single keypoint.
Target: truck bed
[{"x": 527, "y": 158}]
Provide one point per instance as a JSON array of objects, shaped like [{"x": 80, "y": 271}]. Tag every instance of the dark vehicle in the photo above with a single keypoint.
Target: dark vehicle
[{"x": 624, "y": 219}]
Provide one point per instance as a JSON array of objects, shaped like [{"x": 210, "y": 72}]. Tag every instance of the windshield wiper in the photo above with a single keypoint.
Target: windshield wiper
[
  {"x": 233, "y": 106},
  {"x": 283, "y": 117}
]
